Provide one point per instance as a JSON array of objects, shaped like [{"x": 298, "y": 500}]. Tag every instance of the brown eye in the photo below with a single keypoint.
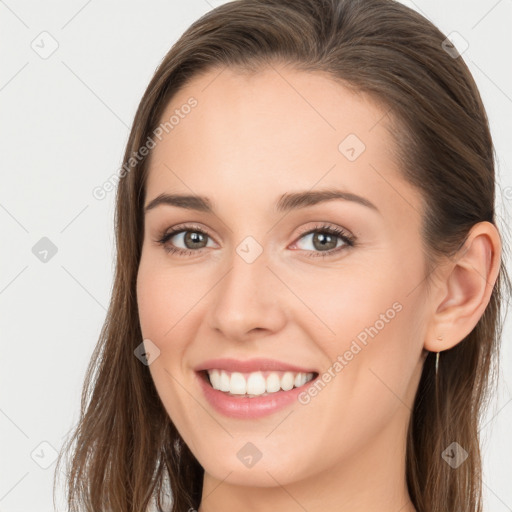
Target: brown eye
[
  {"x": 192, "y": 239},
  {"x": 325, "y": 240}
]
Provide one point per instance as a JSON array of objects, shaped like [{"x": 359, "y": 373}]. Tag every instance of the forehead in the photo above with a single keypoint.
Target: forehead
[
  {"x": 275, "y": 107},
  {"x": 270, "y": 132}
]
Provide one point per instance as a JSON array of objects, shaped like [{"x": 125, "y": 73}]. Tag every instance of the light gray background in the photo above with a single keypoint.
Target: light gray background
[{"x": 65, "y": 122}]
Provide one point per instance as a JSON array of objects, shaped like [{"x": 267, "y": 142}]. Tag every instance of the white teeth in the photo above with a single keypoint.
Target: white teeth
[
  {"x": 224, "y": 381},
  {"x": 300, "y": 380},
  {"x": 237, "y": 384},
  {"x": 273, "y": 383},
  {"x": 255, "y": 384},
  {"x": 287, "y": 381}
]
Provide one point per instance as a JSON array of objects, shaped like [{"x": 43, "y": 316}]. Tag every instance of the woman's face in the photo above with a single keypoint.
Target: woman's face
[{"x": 251, "y": 282}]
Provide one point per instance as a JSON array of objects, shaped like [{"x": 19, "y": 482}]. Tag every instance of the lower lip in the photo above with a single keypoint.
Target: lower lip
[{"x": 245, "y": 407}]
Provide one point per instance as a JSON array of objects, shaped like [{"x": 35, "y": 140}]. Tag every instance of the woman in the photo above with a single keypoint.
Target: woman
[{"x": 307, "y": 295}]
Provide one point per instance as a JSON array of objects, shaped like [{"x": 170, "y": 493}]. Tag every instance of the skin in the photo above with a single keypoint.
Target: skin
[{"x": 250, "y": 139}]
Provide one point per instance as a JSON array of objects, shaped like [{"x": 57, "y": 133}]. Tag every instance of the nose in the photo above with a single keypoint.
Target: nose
[{"x": 248, "y": 299}]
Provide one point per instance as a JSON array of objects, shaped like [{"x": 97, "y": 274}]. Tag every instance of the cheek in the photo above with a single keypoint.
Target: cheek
[
  {"x": 168, "y": 308},
  {"x": 161, "y": 301},
  {"x": 377, "y": 341},
  {"x": 369, "y": 383},
  {"x": 343, "y": 302},
  {"x": 151, "y": 302},
  {"x": 160, "y": 307}
]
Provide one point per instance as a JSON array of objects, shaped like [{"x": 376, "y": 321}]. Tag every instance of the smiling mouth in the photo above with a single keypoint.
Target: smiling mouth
[{"x": 256, "y": 384}]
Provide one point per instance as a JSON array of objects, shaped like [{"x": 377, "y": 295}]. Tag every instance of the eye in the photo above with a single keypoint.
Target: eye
[
  {"x": 194, "y": 238},
  {"x": 327, "y": 237}
]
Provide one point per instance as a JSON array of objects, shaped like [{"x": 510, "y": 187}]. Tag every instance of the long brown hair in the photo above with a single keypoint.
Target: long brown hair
[{"x": 125, "y": 450}]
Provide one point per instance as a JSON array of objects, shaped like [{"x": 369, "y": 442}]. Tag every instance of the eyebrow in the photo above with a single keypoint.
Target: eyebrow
[{"x": 287, "y": 202}]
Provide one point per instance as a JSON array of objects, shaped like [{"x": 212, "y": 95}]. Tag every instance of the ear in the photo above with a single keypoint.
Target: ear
[{"x": 463, "y": 288}]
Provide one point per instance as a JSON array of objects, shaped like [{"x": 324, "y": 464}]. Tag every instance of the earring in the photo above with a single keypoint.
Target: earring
[{"x": 439, "y": 338}]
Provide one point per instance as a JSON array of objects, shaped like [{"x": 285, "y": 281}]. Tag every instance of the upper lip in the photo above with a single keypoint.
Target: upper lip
[{"x": 250, "y": 365}]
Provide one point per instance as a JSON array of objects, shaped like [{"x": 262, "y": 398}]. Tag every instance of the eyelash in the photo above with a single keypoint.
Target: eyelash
[{"x": 348, "y": 239}]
